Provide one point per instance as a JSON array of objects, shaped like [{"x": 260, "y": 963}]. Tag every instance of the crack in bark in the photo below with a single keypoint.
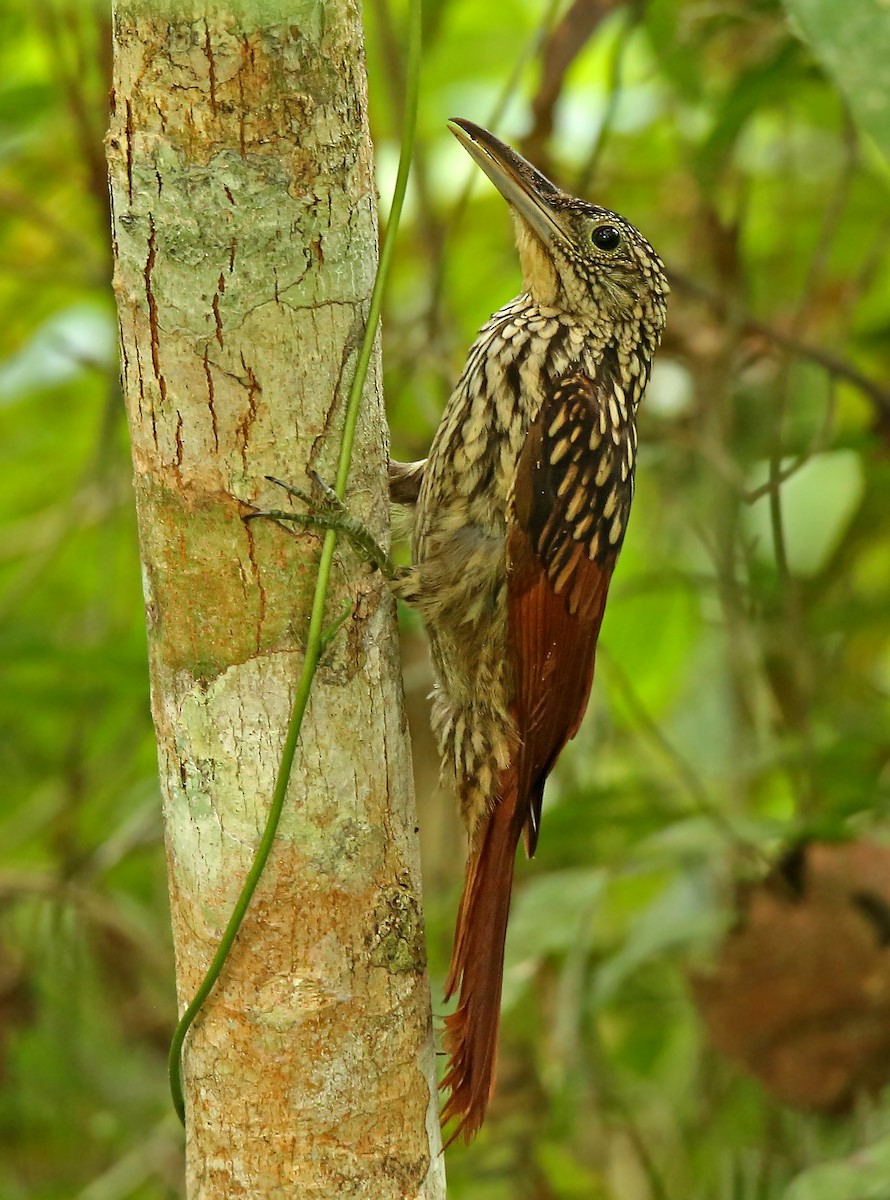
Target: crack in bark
[
  {"x": 208, "y": 375},
  {"x": 309, "y": 306},
  {"x": 125, "y": 361},
  {"x": 141, "y": 402},
  {"x": 261, "y": 591},
  {"x": 128, "y": 130},
  {"x": 211, "y": 66},
  {"x": 217, "y": 319},
  {"x": 153, "y": 312},
  {"x": 177, "y": 461},
  {"x": 249, "y": 417}
]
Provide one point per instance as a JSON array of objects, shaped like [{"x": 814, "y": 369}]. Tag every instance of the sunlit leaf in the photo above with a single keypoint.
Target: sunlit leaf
[
  {"x": 550, "y": 915},
  {"x": 862, "y": 1176},
  {"x": 74, "y": 339},
  {"x": 682, "y": 916},
  {"x": 818, "y": 502},
  {"x": 853, "y": 43}
]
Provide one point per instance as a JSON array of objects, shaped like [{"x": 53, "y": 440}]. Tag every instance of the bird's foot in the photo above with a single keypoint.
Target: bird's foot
[{"x": 327, "y": 511}]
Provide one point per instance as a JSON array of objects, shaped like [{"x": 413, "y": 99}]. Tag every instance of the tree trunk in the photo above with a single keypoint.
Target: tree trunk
[{"x": 245, "y": 247}]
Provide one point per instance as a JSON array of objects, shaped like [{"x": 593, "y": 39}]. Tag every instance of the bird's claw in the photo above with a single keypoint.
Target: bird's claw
[
  {"x": 327, "y": 511},
  {"x": 324, "y": 499}
]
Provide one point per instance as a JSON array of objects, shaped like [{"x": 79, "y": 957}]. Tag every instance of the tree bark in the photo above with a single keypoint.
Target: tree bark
[{"x": 245, "y": 248}]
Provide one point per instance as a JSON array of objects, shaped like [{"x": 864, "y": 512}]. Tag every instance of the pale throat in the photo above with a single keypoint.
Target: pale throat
[
  {"x": 539, "y": 276},
  {"x": 569, "y": 293}
]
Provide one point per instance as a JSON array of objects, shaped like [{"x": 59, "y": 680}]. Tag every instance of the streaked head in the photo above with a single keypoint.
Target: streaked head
[{"x": 575, "y": 256}]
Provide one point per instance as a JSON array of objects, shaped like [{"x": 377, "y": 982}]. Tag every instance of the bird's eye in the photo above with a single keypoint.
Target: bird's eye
[{"x": 606, "y": 237}]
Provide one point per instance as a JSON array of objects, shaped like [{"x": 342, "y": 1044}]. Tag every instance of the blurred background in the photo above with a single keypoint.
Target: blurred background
[{"x": 697, "y": 998}]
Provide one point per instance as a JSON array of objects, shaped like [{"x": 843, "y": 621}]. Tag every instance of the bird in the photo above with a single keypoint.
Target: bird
[{"x": 519, "y": 513}]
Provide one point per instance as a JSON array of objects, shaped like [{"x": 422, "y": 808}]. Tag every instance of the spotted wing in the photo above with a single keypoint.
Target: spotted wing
[{"x": 567, "y": 518}]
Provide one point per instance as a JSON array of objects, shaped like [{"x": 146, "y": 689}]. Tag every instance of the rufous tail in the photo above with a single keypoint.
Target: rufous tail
[{"x": 477, "y": 965}]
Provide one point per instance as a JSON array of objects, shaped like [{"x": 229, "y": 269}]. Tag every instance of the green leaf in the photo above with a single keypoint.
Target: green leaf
[
  {"x": 78, "y": 337},
  {"x": 548, "y": 909},
  {"x": 682, "y": 916},
  {"x": 550, "y": 914},
  {"x": 764, "y": 84},
  {"x": 818, "y": 502},
  {"x": 862, "y": 1176},
  {"x": 852, "y": 41},
  {"x": 22, "y": 103}
]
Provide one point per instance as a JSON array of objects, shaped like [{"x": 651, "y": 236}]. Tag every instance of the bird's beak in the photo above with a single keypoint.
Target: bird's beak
[{"x": 525, "y": 189}]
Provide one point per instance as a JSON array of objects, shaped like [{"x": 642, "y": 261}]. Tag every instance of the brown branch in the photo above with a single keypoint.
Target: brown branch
[
  {"x": 508, "y": 91},
  {"x": 837, "y": 367},
  {"x": 588, "y": 171},
  {"x": 390, "y": 49},
  {"x": 559, "y": 52},
  {"x": 65, "y": 35}
]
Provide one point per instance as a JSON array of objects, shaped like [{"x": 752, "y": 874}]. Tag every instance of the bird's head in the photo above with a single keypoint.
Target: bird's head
[{"x": 579, "y": 258}]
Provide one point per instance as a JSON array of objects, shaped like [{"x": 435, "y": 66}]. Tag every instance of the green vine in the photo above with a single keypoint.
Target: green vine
[{"x": 316, "y": 640}]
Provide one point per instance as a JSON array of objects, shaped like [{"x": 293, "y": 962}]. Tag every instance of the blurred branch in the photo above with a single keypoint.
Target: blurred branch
[
  {"x": 65, "y": 33},
  {"x": 640, "y": 1143},
  {"x": 141, "y": 1164},
  {"x": 818, "y": 443},
  {"x": 837, "y": 367},
  {"x": 869, "y": 270},
  {"x": 729, "y": 469},
  {"x": 633, "y": 17},
  {"x": 558, "y": 52},
  {"x": 825, "y": 239},
  {"x": 791, "y": 669},
  {"x": 437, "y": 287},
  {"x": 683, "y": 770},
  {"x": 617, "y": 1111}
]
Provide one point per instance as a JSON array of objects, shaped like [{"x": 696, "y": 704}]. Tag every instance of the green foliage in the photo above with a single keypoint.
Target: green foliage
[
  {"x": 853, "y": 41},
  {"x": 863, "y": 1176},
  {"x": 741, "y": 698}
]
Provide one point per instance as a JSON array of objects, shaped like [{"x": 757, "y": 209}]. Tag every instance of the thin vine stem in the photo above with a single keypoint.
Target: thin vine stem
[{"x": 315, "y": 640}]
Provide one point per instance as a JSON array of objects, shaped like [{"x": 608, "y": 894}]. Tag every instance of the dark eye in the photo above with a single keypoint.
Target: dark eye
[{"x": 606, "y": 237}]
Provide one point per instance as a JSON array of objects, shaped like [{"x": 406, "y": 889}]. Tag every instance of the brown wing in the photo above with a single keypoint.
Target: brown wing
[{"x": 568, "y": 514}]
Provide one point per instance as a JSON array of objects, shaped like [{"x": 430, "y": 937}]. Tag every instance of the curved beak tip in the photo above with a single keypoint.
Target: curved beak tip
[
  {"x": 462, "y": 129},
  {"x": 524, "y": 188}
]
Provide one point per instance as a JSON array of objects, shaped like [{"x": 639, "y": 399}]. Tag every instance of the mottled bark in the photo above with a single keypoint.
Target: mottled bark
[{"x": 245, "y": 246}]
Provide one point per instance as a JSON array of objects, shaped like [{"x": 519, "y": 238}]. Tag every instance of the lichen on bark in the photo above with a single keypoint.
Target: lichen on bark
[{"x": 245, "y": 248}]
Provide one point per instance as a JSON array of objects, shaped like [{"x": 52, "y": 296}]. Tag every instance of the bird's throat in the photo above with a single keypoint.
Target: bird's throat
[{"x": 539, "y": 275}]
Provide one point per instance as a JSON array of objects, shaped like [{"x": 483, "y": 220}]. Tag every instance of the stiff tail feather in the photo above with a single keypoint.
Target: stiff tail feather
[{"x": 477, "y": 965}]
